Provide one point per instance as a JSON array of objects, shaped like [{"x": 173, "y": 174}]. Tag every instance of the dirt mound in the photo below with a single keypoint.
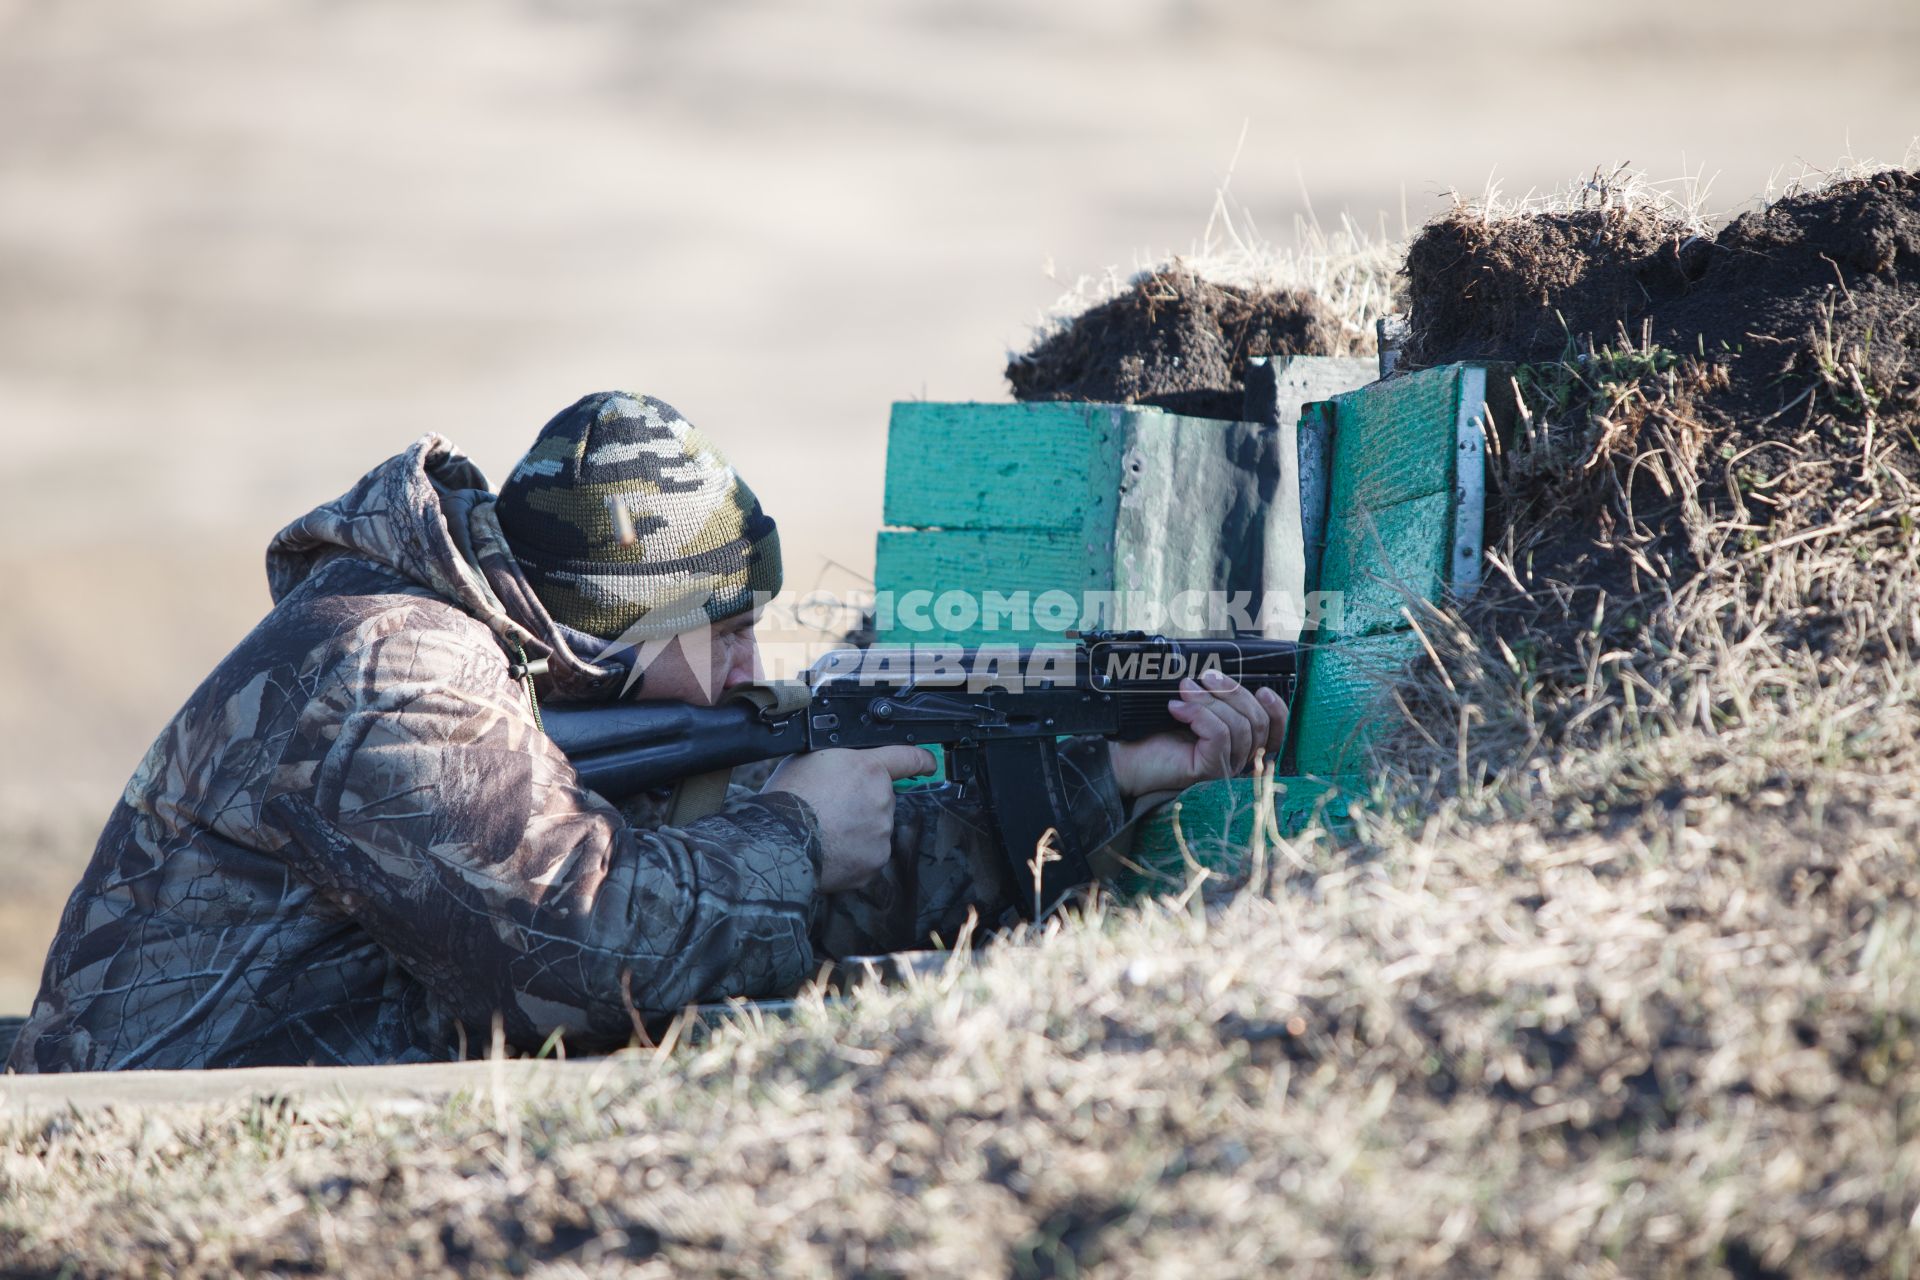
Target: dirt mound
[
  {"x": 1526, "y": 289},
  {"x": 1809, "y": 285},
  {"x": 1177, "y": 341},
  {"x": 1787, "y": 344},
  {"x": 1794, "y": 292},
  {"x": 1703, "y": 426}
]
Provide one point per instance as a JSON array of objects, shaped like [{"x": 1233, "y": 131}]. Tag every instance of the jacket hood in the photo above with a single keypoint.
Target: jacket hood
[{"x": 428, "y": 515}]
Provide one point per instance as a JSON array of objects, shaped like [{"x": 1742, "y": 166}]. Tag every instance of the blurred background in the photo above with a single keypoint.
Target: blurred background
[{"x": 249, "y": 250}]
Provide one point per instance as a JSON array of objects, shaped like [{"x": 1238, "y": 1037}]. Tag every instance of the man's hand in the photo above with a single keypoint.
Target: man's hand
[
  {"x": 851, "y": 793},
  {"x": 1226, "y": 723}
]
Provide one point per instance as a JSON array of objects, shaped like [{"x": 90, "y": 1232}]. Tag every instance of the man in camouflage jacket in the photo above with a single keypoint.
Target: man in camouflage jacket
[{"x": 354, "y": 843}]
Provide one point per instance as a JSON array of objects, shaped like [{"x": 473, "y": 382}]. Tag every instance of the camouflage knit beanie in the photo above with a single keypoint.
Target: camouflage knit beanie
[{"x": 628, "y": 523}]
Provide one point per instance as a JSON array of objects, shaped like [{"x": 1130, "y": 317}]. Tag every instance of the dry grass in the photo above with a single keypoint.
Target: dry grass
[
  {"x": 1502, "y": 1048},
  {"x": 1352, "y": 269},
  {"x": 1686, "y": 201},
  {"x": 1620, "y": 189}
]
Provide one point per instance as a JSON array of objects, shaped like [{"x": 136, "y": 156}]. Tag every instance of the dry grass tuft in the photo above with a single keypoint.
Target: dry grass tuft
[
  {"x": 1351, "y": 269},
  {"x": 1621, "y": 189}
]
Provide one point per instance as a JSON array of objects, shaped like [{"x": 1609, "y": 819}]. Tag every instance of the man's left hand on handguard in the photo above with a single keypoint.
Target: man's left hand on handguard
[{"x": 1226, "y": 725}]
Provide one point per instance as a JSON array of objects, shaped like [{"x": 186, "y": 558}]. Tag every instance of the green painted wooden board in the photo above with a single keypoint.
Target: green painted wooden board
[
  {"x": 1339, "y": 706},
  {"x": 1395, "y": 441},
  {"x": 1402, "y": 486},
  {"x": 1150, "y": 514},
  {"x": 1004, "y": 466},
  {"x": 1097, "y": 498},
  {"x": 922, "y": 565},
  {"x": 1404, "y": 511},
  {"x": 1387, "y": 560}
]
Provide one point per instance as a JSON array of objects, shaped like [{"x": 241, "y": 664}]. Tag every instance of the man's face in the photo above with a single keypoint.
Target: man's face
[{"x": 698, "y": 666}]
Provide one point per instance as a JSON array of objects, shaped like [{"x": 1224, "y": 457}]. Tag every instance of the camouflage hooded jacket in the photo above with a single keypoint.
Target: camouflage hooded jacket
[{"x": 353, "y": 844}]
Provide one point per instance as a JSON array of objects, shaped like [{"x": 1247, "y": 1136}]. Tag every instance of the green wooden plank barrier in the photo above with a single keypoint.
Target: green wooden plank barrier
[
  {"x": 1407, "y": 495},
  {"x": 1376, "y": 493},
  {"x": 1004, "y": 466},
  {"x": 1121, "y": 508},
  {"x": 1387, "y": 559},
  {"x": 1405, "y": 486}
]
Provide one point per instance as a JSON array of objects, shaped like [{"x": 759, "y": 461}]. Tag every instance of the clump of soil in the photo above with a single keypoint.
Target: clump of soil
[
  {"x": 1792, "y": 292},
  {"x": 1527, "y": 288},
  {"x": 1795, "y": 292},
  {"x": 1179, "y": 342},
  {"x": 1697, "y": 532}
]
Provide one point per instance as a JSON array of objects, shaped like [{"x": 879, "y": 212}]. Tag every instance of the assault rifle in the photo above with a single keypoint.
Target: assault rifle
[{"x": 999, "y": 712}]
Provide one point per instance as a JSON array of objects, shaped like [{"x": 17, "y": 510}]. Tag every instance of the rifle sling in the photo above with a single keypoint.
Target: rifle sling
[
  {"x": 697, "y": 797},
  {"x": 705, "y": 794}
]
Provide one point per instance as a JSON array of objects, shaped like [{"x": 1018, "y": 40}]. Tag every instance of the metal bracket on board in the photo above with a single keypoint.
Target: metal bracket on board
[{"x": 1470, "y": 485}]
